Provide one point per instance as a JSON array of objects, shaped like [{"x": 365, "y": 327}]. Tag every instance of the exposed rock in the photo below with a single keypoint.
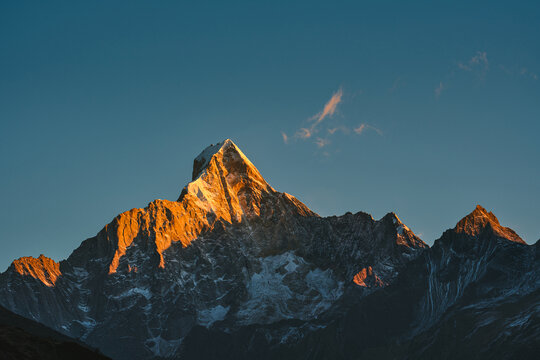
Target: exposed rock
[
  {"x": 256, "y": 274},
  {"x": 478, "y": 220},
  {"x": 231, "y": 252},
  {"x": 43, "y": 269},
  {"x": 367, "y": 278}
]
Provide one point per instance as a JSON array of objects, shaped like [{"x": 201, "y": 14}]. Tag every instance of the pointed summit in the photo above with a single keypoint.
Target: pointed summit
[
  {"x": 405, "y": 236},
  {"x": 226, "y": 183},
  {"x": 480, "y": 219},
  {"x": 226, "y": 189},
  {"x": 226, "y": 155}
]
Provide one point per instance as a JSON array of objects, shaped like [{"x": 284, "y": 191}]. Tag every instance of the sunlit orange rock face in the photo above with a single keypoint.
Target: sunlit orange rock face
[
  {"x": 230, "y": 250},
  {"x": 474, "y": 223},
  {"x": 162, "y": 221},
  {"x": 367, "y": 278},
  {"x": 42, "y": 268},
  {"x": 226, "y": 188}
]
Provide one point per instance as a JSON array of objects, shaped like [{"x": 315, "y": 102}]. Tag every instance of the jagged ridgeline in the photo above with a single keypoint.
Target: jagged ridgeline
[{"x": 237, "y": 270}]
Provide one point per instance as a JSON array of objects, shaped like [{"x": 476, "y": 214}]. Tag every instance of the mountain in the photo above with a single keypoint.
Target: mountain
[
  {"x": 237, "y": 270},
  {"x": 474, "y": 295},
  {"x": 232, "y": 258},
  {"x": 24, "y": 339}
]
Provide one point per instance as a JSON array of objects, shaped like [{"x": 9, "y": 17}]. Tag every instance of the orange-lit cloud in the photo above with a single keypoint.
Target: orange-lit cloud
[
  {"x": 363, "y": 127},
  {"x": 303, "y": 133},
  {"x": 321, "y": 133},
  {"x": 343, "y": 129},
  {"x": 322, "y": 142},
  {"x": 360, "y": 129},
  {"x": 329, "y": 109}
]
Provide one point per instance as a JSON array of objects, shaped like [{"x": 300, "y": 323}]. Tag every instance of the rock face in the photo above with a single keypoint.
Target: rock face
[
  {"x": 256, "y": 274},
  {"x": 474, "y": 295},
  {"x": 230, "y": 253},
  {"x": 477, "y": 221},
  {"x": 44, "y": 269}
]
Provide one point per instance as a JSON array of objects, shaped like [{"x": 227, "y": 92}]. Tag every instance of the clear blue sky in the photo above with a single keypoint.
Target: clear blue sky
[{"x": 104, "y": 105}]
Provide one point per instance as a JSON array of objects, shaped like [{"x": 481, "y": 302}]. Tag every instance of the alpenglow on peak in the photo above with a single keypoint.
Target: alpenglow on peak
[
  {"x": 229, "y": 158},
  {"x": 480, "y": 219},
  {"x": 227, "y": 189},
  {"x": 226, "y": 183}
]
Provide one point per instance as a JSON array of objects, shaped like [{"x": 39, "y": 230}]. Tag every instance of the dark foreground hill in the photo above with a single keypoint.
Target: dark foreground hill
[{"x": 24, "y": 339}]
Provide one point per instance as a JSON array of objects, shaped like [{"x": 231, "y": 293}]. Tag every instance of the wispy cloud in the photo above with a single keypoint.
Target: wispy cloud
[
  {"x": 328, "y": 111},
  {"x": 479, "y": 63},
  {"x": 526, "y": 72},
  {"x": 320, "y": 132},
  {"x": 363, "y": 127},
  {"x": 360, "y": 129},
  {"x": 320, "y": 142},
  {"x": 522, "y": 71},
  {"x": 303, "y": 133},
  {"x": 329, "y": 108},
  {"x": 439, "y": 89},
  {"x": 343, "y": 129}
]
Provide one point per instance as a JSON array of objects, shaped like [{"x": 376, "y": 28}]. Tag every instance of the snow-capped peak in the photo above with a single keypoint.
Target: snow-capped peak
[
  {"x": 228, "y": 154},
  {"x": 226, "y": 183},
  {"x": 203, "y": 159}
]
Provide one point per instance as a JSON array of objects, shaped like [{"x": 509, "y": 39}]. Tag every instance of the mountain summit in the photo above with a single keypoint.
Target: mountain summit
[
  {"x": 225, "y": 156},
  {"x": 230, "y": 252},
  {"x": 479, "y": 220},
  {"x": 226, "y": 189},
  {"x": 226, "y": 184},
  {"x": 254, "y": 272}
]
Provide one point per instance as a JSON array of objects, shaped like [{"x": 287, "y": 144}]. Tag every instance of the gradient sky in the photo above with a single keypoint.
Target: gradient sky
[{"x": 104, "y": 105}]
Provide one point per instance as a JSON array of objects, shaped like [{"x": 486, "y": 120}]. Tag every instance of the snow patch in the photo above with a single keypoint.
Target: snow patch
[
  {"x": 135, "y": 291},
  {"x": 324, "y": 283},
  {"x": 209, "y": 316},
  {"x": 287, "y": 287}
]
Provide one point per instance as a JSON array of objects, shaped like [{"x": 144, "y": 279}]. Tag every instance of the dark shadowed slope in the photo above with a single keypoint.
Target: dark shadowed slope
[
  {"x": 22, "y": 339},
  {"x": 474, "y": 295}
]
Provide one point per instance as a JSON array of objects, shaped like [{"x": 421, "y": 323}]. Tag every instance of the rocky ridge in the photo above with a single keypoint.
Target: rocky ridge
[
  {"x": 474, "y": 295},
  {"x": 231, "y": 253},
  {"x": 252, "y": 271}
]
